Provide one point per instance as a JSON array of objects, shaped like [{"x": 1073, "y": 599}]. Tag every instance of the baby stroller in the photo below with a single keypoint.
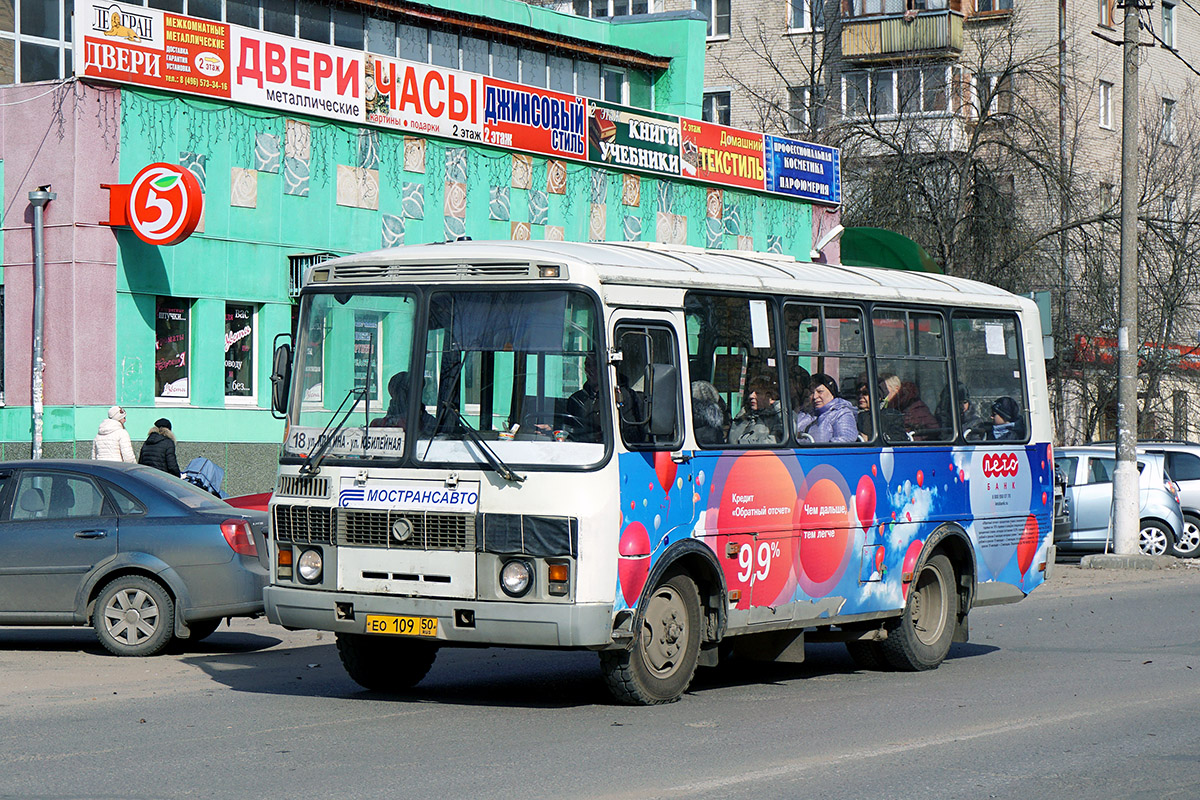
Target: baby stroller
[{"x": 203, "y": 473}]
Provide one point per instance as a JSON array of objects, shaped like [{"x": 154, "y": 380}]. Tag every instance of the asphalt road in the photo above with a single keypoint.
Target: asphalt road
[{"x": 1090, "y": 688}]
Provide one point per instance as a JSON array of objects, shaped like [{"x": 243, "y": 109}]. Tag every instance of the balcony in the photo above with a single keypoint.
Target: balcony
[{"x": 926, "y": 34}]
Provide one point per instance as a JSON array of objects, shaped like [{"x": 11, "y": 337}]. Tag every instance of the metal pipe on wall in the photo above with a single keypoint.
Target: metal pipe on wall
[{"x": 38, "y": 199}]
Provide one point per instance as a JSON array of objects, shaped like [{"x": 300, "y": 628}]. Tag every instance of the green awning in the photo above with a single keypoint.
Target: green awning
[{"x": 876, "y": 247}]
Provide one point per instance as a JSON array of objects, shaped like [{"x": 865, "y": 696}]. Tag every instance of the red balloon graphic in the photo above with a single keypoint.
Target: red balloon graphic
[
  {"x": 824, "y": 522},
  {"x": 634, "y": 563},
  {"x": 910, "y": 560},
  {"x": 920, "y": 478},
  {"x": 878, "y": 559},
  {"x": 962, "y": 476},
  {"x": 1028, "y": 543},
  {"x": 665, "y": 468},
  {"x": 874, "y": 471},
  {"x": 864, "y": 501},
  {"x": 1044, "y": 498}
]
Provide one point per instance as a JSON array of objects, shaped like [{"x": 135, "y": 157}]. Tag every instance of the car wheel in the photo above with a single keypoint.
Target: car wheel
[
  {"x": 134, "y": 616},
  {"x": 1188, "y": 545},
  {"x": 920, "y": 638},
  {"x": 660, "y": 665},
  {"x": 385, "y": 665},
  {"x": 1154, "y": 539}
]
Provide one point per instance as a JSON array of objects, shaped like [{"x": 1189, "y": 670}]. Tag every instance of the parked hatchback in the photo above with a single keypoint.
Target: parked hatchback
[
  {"x": 1183, "y": 465},
  {"x": 1087, "y": 525},
  {"x": 141, "y": 556}
]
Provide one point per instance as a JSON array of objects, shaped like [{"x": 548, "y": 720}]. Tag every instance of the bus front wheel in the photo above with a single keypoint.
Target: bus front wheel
[
  {"x": 660, "y": 665},
  {"x": 385, "y": 665},
  {"x": 921, "y": 638}
]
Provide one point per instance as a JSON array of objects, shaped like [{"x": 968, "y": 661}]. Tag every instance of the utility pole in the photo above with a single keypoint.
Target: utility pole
[{"x": 1125, "y": 478}]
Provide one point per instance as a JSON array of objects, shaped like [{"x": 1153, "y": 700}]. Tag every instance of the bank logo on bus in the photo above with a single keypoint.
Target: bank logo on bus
[{"x": 1001, "y": 465}]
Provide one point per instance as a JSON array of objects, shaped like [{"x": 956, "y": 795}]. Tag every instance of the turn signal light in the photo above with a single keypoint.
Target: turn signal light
[
  {"x": 283, "y": 562},
  {"x": 559, "y": 573}
]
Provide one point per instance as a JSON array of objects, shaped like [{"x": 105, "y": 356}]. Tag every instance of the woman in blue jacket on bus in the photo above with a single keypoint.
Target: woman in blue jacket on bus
[{"x": 834, "y": 418}]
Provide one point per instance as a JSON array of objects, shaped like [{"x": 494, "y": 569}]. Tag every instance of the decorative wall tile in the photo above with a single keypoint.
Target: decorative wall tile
[
  {"x": 539, "y": 207},
  {"x": 733, "y": 219},
  {"x": 556, "y": 233},
  {"x": 498, "y": 203},
  {"x": 556, "y": 177},
  {"x": 393, "y": 230},
  {"x": 454, "y": 200},
  {"x": 414, "y": 154},
  {"x": 714, "y": 233},
  {"x": 267, "y": 156},
  {"x": 243, "y": 188},
  {"x": 597, "y": 226},
  {"x": 412, "y": 200},
  {"x": 632, "y": 228},
  {"x": 631, "y": 190},
  {"x": 297, "y": 140},
  {"x": 714, "y": 205},
  {"x": 599, "y": 186},
  {"x": 357, "y": 187},
  {"x": 456, "y": 164},
  {"x": 666, "y": 193},
  {"x": 295, "y": 176},
  {"x": 455, "y": 228},
  {"x": 774, "y": 243},
  {"x": 745, "y": 243},
  {"x": 520, "y": 232},
  {"x": 662, "y": 227},
  {"x": 196, "y": 164},
  {"x": 368, "y": 148},
  {"x": 678, "y": 229},
  {"x": 522, "y": 171}
]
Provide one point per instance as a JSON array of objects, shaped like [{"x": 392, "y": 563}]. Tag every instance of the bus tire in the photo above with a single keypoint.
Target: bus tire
[
  {"x": 920, "y": 638},
  {"x": 868, "y": 655},
  {"x": 660, "y": 665},
  {"x": 385, "y": 665}
]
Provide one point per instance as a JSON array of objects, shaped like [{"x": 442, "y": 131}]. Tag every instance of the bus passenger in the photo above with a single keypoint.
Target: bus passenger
[
  {"x": 710, "y": 419},
  {"x": 905, "y": 397},
  {"x": 583, "y": 406},
  {"x": 761, "y": 419},
  {"x": 866, "y": 429},
  {"x": 833, "y": 418},
  {"x": 1006, "y": 418}
]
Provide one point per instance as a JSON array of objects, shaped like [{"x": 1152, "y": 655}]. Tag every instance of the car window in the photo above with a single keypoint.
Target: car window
[
  {"x": 191, "y": 496},
  {"x": 1067, "y": 465},
  {"x": 1183, "y": 466},
  {"x": 126, "y": 503},
  {"x": 1101, "y": 470},
  {"x": 57, "y": 495}
]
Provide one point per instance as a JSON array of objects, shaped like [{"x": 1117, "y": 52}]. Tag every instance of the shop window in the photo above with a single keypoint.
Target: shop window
[
  {"x": 348, "y": 28},
  {"x": 39, "y": 18},
  {"x": 444, "y": 49},
  {"x": 165, "y": 5},
  {"x": 242, "y": 12},
  {"x": 279, "y": 16},
  {"x": 381, "y": 36},
  {"x": 240, "y": 329},
  {"x": 414, "y": 43},
  {"x": 172, "y": 342},
  {"x": 207, "y": 9}
]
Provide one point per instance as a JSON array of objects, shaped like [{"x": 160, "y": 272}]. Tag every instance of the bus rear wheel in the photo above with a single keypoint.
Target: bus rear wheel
[
  {"x": 921, "y": 638},
  {"x": 660, "y": 665},
  {"x": 385, "y": 665}
]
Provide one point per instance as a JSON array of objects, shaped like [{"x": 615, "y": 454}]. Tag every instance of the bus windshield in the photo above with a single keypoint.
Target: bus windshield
[{"x": 513, "y": 371}]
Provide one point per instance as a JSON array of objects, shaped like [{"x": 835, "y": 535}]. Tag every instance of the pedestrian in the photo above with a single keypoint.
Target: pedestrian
[
  {"x": 159, "y": 449},
  {"x": 112, "y": 440}
]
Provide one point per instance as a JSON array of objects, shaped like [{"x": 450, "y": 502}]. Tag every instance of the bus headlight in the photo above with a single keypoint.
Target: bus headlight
[
  {"x": 309, "y": 566},
  {"x": 516, "y": 577}
]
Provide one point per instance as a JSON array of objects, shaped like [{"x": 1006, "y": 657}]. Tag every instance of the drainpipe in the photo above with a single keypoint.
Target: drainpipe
[{"x": 38, "y": 199}]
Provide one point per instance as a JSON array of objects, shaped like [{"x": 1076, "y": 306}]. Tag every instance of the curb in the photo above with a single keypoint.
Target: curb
[{"x": 1113, "y": 561}]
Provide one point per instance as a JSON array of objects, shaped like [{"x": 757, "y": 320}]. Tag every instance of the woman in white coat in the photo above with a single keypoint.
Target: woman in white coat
[{"x": 112, "y": 440}]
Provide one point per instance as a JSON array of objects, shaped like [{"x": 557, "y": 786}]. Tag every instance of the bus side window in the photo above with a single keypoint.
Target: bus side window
[
  {"x": 988, "y": 367},
  {"x": 648, "y": 387}
]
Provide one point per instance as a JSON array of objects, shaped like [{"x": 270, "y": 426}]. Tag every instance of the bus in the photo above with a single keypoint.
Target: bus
[{"x": 667, "y": 455}]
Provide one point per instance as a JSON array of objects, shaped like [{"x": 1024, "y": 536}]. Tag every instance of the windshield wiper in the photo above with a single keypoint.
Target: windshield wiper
[
  {"x": 493, "y": 460},
  {"x": 321, "y": 447}
]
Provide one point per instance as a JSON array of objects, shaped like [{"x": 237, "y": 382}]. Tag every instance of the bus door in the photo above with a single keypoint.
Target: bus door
[{"x": 657, "y": 481}]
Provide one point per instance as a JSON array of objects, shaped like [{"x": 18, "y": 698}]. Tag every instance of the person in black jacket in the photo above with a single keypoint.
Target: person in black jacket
[{"x": 159, "y": 449}]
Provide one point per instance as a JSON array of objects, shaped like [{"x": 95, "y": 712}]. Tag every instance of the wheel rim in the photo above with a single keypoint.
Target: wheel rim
[
  {"x": 664, "y": 632},
  {"x": 1191, "y": 537},
  {"x": 1153, "y": 541},
  {"x": 927, "y": 606},
  {"x": 131, "y": 616}
]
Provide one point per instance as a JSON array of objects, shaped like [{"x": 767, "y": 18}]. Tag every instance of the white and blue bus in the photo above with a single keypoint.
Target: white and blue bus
[{"x": 664, "y": 454}]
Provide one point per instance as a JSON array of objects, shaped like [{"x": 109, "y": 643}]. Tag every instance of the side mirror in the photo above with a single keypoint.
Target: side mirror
[
  {"x": 281, "y": 379},
  {"x": 664, "y": 399}
]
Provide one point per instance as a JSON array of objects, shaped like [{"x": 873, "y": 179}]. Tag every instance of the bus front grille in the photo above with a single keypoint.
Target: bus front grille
[
  {"x": 417, "y": 530},
  {"x": 303, "y": 524},
  {"x": 302, "y": 486}
]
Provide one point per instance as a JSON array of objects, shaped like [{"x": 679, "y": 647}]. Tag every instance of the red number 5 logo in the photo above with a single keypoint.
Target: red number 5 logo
[{"x": 165, "y": 204}]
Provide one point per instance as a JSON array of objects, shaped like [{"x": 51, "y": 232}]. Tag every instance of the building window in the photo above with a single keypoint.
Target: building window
[
  {"x": 1105, "y": 10},
  {"x": 1108, "y": 196},
  {"x": 855, "y": 101},
  {"x": 984, "y": 6},
  {"x": 239, "y": 350},
  {"x": 798, "y": 100},
  {"x": 716, "y": 107},
  {"x": 614, "y": 8},
  {"x": 1168, "y": 25},
  {"x": 717, "y": 14},
  {"x": 901, "y": 91},
  {"x": 1168, "y": 120},
  {"x": 613, "y": 85},
  {"x": 1105, "y": 103},
  {"x": 1170, "y": 211},
  {"x": 172, "y": 340},
  {"x": 806, "y": 15}
]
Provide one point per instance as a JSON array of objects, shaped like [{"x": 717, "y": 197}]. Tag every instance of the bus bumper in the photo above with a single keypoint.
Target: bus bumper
[{"x": 494, "y": 623}]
